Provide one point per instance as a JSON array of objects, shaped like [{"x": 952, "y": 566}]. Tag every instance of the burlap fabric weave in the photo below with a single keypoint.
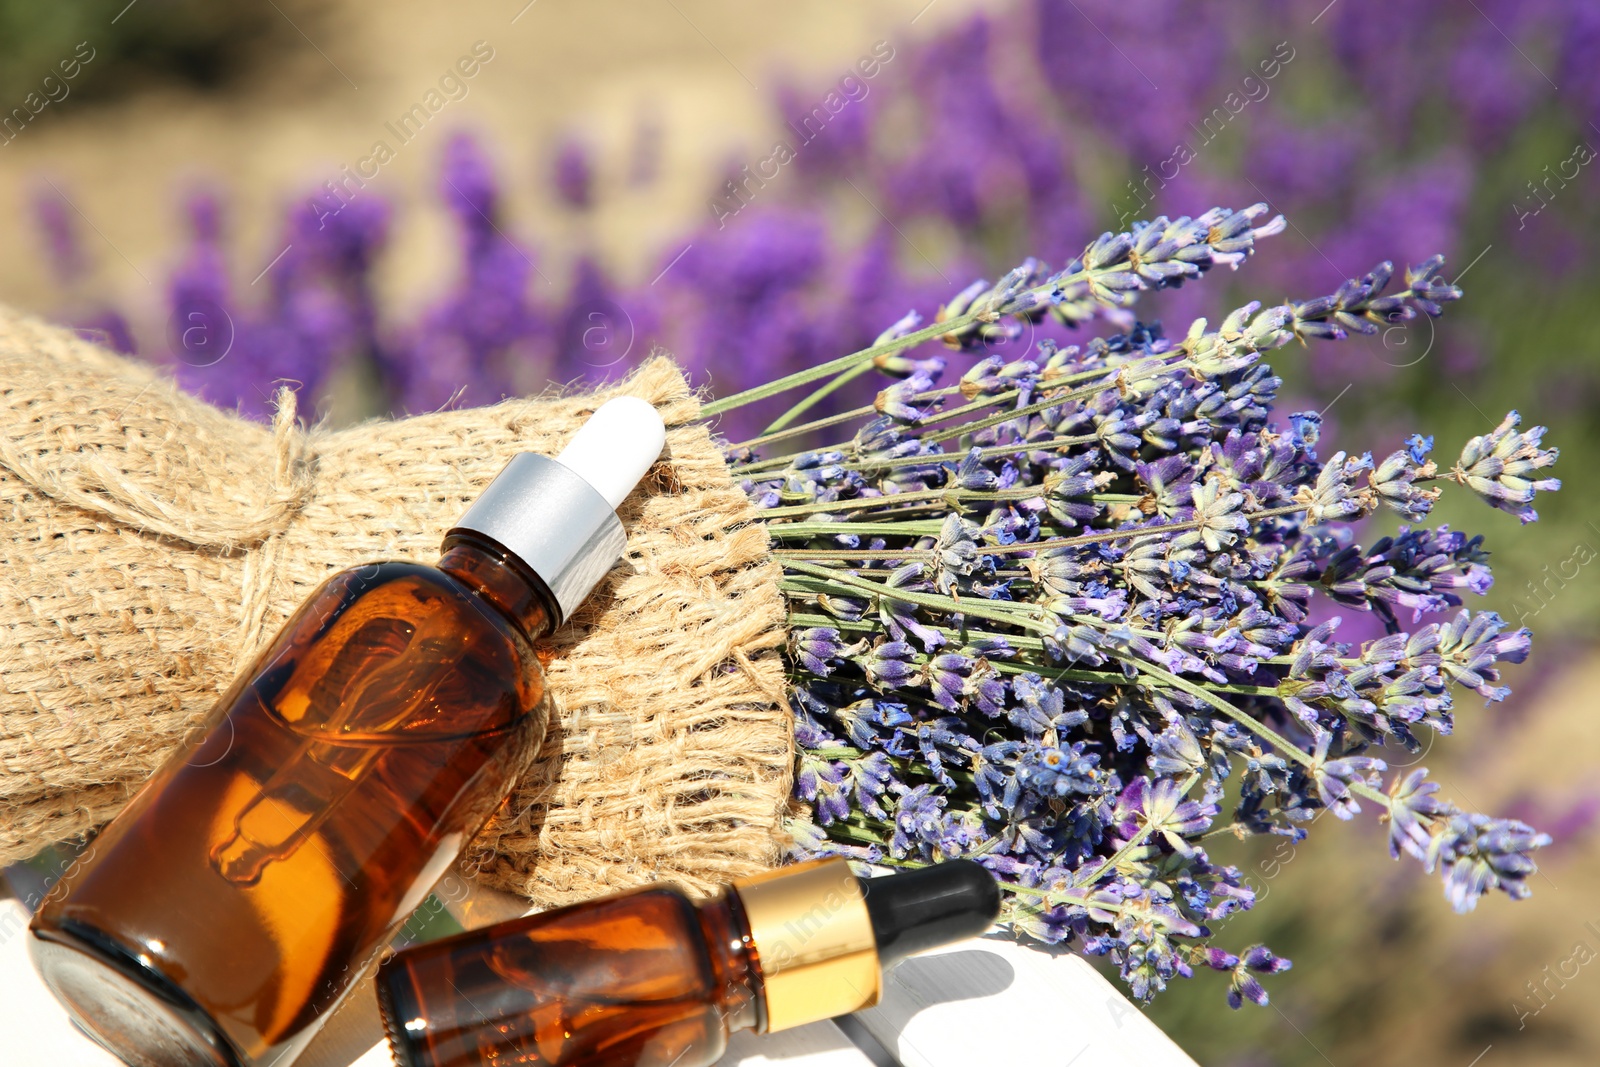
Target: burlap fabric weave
[{"x": 150, "y": 544}]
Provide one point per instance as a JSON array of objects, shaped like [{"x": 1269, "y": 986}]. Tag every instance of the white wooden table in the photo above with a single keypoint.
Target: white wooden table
[{"x": 986, "y": 1001}]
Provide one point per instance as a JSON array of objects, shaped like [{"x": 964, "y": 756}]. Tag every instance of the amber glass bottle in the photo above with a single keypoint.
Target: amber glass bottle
[
  {"x": 642, "y": 977},
  {"x": 220, "y": 917},
  {"x": 648, "y": 978}
]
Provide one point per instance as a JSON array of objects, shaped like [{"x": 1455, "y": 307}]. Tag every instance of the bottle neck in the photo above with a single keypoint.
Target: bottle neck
[
  {"x": 734, "y": 965},
  {"x": 501, "y": 578}
]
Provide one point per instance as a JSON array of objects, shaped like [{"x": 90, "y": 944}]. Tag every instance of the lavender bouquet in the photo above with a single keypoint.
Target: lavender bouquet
[{"x": 1059, "y": 614}]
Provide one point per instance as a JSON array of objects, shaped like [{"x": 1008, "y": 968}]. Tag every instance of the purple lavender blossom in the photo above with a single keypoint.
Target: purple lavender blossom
[
  {"x": 574, "y": 174},
  {"x": 468, "y": 344},
  {"x": 1094, "y": 574},
  {"x": 57, "y": 222},
  {"x": 1496, "y": 466}
]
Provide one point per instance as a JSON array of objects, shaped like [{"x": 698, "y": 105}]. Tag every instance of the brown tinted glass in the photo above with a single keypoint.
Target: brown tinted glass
[
  {"x": 260, "y": 870},
  {"x": 641, "y": 979}
]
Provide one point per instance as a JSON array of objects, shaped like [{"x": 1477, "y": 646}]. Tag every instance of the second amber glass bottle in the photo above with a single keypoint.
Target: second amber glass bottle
[
  {"x": 649, "y": 978},
  {"x": 228, "y": 909}
]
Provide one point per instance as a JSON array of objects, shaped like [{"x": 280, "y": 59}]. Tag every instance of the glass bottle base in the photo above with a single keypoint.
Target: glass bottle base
[
  {"x": 126, "y": 1006},
  {"x": 396, "y": 1010}
]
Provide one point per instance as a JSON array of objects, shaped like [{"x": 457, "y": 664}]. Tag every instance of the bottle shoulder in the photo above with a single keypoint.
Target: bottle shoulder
[
  {"x": 405, "y": 637},
  {"x": 420, "y": 592}
]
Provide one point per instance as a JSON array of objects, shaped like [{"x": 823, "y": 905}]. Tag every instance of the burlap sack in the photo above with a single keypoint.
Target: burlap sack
[{"x": 152, "y": 543}]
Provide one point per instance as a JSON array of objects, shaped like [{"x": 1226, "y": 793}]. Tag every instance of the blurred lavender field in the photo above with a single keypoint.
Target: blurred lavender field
[{"x": 1378, "y": 129}]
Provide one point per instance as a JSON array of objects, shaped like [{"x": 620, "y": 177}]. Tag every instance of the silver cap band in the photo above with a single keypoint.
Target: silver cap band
[{"x": 552, "y": 520}]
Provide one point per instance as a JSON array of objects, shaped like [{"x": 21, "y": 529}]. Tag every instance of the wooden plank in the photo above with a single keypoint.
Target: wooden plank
[
  {"x": 818, "y": 1045},
  {"x": 353, "y": 1035},
  {"x": 376, "y": 1056},
  {"x": 992, "y": 1000}
]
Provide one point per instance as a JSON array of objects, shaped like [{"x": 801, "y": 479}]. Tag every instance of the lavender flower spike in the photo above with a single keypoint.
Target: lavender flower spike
[
  {"x": 1479, "y": 854},
  {"x": 1395, "y": 480},
  {"x": 1496, "y": 466}
]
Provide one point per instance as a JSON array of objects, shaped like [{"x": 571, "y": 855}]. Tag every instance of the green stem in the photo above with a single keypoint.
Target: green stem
[
  {"x": 1151, "y": 367},
  {"x": 976, "y": 405},
  {"x": 1022, "y": 617},
  {"x": 1154, "y": 365},
  {"x": 1054, "y": 896},
  {"x": 854, "y": 832},
  {"x": 930, "y": 496},
  {"x": 934, "y": 497},
  {"x": 768, "y": 436},
  {"x": 890, "y": 347},
  {"x": 776, "y": 462},
  {"x": 872, "y": 463},
  {"x": 924, "y": 497},
  {"x": 817, "y": 397},
  {"x": 913, "y": 528},
  {"x": 849, "y": 752},
  {"x": 1255, "y": 726},
  {"x": 903, "y": 554},
  {"x": 799, "y": 620},
  {"x": 868, "y": 463},
  {"x": 806, "y": 586},
  {"x": 1074, "y": 674},
  {"x": 1343, "y": 661},
  {"x": 1137, "y": 531},
  {"x": 833, "y": 366}
]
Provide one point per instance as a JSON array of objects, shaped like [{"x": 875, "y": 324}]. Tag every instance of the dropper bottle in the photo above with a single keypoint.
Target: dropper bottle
[
  {"x": 222, "y": 916},
  {"x": 649, "y": 977}
]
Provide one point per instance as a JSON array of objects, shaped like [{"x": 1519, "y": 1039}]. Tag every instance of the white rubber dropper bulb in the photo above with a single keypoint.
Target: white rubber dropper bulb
[{"x": 616, "y": 446}]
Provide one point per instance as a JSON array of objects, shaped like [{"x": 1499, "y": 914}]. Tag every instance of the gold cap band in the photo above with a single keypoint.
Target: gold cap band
[{"x": 814, "y": 939}]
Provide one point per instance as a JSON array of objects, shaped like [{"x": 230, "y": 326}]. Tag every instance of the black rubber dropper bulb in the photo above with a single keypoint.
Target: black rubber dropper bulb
[{"x": 921, "y": 909}]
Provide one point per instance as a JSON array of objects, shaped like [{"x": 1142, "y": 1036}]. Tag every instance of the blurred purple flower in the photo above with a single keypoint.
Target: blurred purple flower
[{"x": 574, "y": 174}]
